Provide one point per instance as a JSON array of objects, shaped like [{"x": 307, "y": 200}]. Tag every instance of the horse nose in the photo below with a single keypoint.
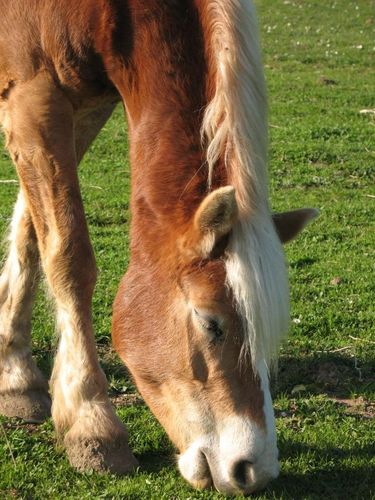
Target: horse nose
[
  {"x": 246, "y": 477},
  {"x": 241, "y": 474}
]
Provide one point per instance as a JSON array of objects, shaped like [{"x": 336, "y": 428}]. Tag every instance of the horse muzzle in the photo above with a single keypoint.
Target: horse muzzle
[{"x": 233, "y": 462}]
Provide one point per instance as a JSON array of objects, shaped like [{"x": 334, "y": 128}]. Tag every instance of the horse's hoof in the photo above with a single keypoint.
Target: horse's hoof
[
  {"x": 32, "y": 406},
  {"x": 101, "y": 454}
]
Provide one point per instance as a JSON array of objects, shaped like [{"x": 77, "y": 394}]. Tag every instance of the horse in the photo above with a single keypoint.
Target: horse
[{"x": 204, "y": 303}]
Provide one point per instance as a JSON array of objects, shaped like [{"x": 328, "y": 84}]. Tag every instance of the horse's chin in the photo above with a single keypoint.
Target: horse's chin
[{"x": 194, "y": 468}]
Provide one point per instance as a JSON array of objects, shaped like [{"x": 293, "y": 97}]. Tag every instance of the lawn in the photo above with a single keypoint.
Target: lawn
[{"x": 319, "y": 58}]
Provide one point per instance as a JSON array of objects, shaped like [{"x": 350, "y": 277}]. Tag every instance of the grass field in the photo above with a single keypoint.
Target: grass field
[{"x": 319, "y": 58}]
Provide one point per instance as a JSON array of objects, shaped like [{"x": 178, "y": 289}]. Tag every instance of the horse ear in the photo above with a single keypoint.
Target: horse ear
[
  {"x": 289, "y": 224},
  {"x": 215, "y": 217}
]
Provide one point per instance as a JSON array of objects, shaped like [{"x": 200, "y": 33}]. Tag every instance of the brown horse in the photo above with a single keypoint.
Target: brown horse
[{"x": 204, "y": 304}]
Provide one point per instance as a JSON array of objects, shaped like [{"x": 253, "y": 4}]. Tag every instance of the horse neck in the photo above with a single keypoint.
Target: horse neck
[{"x": 164, "y": 82}]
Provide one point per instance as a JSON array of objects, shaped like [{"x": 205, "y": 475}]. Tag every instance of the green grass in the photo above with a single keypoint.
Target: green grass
[{"x": 319, "y": 59}]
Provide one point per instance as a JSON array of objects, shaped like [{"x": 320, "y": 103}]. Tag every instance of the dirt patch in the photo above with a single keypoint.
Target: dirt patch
[
  {"x": 127, "y": 400},
  {"x": 12, "y": 493},
  {"x": 16, "y": 423},
  {"x": 358, "y": 406},
  {"x": 323, "y": 80},
  {"x": 329, "y": 374}
]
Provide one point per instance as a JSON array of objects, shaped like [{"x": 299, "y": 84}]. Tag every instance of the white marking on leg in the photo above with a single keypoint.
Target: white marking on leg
[
  {"x": 79, "y": 384},
  {"x": 17, "y": 290}
]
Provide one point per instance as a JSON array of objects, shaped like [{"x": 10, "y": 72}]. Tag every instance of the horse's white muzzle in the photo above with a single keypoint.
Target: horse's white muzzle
[{"x": 239, "y": 457}]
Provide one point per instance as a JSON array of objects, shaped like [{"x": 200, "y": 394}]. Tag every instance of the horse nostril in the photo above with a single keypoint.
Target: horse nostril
[{"x": 241, "y": 472}]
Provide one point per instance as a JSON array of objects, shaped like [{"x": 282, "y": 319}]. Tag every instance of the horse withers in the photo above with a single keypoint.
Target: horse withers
[{"x": 204, "y": 303}]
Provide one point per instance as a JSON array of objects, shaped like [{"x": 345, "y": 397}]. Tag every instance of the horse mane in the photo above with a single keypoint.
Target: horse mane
[{"x": 235, "y": 128}]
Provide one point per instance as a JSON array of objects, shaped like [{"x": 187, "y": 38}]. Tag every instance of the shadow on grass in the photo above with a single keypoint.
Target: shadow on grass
[
  {"x": 155, "y": 462},
  {"x": 325, "y": 373},
  {"x": 333, "y": 480},
  {"x": 303, "y": 262}
]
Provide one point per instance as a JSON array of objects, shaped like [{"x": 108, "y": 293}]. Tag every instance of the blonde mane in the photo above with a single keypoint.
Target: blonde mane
[{"x": 235, "y": 125}]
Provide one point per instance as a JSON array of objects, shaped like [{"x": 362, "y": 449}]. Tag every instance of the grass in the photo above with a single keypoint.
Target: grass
[{"x": 319, "y": 64}]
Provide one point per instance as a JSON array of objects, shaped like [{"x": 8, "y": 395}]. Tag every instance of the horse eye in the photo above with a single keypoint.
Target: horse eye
[
  {"x": 214, "y": 327},
  {"x": 210, "y": 324}
]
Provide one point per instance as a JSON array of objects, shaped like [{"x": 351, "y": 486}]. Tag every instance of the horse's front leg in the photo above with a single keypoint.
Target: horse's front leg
[
  {"x": 41, "y": 141},
  {"x": 23, "y": 390}
]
